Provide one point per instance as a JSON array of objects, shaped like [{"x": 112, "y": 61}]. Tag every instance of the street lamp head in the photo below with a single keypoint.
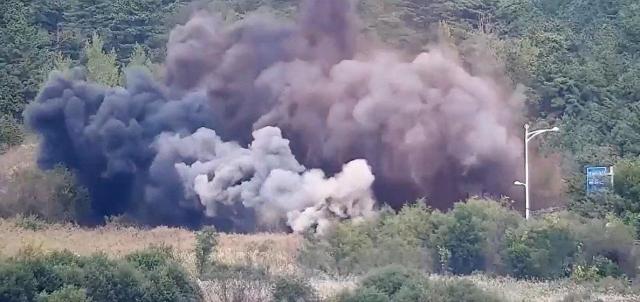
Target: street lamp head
[
  {"x": 555, "y": 129},
  {"x": 518, "y": 183}
]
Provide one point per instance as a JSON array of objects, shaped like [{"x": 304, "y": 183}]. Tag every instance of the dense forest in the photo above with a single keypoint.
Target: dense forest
[{"x": 578, "y": 60}]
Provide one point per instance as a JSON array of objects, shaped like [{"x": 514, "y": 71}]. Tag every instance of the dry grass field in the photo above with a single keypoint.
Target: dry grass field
[{"x": 275, "y": 252}]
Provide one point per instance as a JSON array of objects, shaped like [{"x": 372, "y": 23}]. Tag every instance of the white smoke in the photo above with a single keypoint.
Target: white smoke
[{"x": 267, "y": 177}]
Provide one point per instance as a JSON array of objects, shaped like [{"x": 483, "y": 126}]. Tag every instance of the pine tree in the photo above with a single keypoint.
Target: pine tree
[
  {"x": 139, "y": 59},
  {"x": 24, "y": 57},
  {"x": 102, "y": 67},
  {"x": 123, "y": 23}
]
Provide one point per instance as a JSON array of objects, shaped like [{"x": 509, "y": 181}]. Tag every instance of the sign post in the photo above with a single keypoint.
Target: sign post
[{"x": 599, "y": 179}]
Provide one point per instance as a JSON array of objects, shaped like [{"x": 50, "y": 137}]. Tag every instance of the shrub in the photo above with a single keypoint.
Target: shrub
[
  {"x": 471, "y": 236},
  {"x": 627, "y": 180},
  {"x": 17, "y": 283},
  {"x": 608, "y": 245},
  {"x": 541, "y": 248},
  {"x": 479, "y": 235},
  {"x": 31, "y": 222},
  {"x": 11, "y": 133},
  {"x": 151, "y": 258},
  {"x": 459, "y": 290},
  {"x": 356, "y": 247},
  {"x": 585, "y": 273},
  {"x": 293, "y": 289},
  {"x": 229, "y": 283},
  {"x": 362, "y": 294},
  {"x": 398, "y": 284},
  {"x": 53, "y": 196},
  {"x": 110, "y": 280},
  {"x": 580, "y": 296},
  {"x": 412, "y": 224},
  {"x": 65, "y": 294},
  {"x": 345, "y": 249},
  {"x": 606, "y": 267},
  {"x": 62, "y": 276},
  {"x": 206, "y": 241},
  {"x": 460, "y": 235},
  {"x": 389, "y": 280}
]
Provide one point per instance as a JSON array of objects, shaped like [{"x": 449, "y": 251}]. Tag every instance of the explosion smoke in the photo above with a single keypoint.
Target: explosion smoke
[{"x": 208, "y": 145}]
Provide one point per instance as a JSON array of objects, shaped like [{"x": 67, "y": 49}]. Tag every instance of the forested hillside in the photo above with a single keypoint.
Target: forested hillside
[{"x": 578, "y": 60}]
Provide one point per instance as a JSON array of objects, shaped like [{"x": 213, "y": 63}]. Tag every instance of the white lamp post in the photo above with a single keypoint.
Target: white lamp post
[{"x": 528, "y": 136}]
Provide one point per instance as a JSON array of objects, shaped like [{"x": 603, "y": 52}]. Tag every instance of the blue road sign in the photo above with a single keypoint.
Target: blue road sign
[{"x": 597, "y": 179}]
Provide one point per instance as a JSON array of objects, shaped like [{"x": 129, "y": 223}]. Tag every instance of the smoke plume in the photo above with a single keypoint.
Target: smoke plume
[{"x": 264, "y": 122}]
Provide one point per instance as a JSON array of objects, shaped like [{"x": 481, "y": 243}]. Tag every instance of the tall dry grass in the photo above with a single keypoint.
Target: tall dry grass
[{"x": 274, "y": 252}]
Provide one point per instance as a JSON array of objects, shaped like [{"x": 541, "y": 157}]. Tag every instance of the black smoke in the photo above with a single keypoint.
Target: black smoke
[{"x": 426, "y": 126}]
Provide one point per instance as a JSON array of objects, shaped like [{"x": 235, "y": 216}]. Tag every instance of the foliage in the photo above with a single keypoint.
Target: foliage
[
  {"x": 389, "y": 280},
  {"x": 471, "y": 236},
  {"x": 293, "y": 289},
  {"x": 560, "y": 245},
  {"x": 65, "y": 294},
  {"x": 627, "y": 184},
  {"x": 481, "y": 235},
  {"x": 206, "y": 241},
  {"x": 123, "y": 24},
  {"x": 541, "y": 249},
  {"x": 32, "y": 222},
  {"x": 53, "y": 196},
  {"x": 151, "y": 258},
  {"x": 24, "y": 55},
  {"x": 398, "y": 284},
  {"x": 63, "y": 276},
  {"x": 357, "y": 247},
  {"x": 102, "y": 67},
  {"x": 11, "y": 133}
]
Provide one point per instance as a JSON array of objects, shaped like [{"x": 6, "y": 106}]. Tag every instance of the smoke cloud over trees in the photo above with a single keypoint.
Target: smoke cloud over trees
[{"x": 265, "y": 123}]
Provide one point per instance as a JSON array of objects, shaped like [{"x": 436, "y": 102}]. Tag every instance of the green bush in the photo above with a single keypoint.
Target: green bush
[
  {"x": 151, "y": 258},
  {"x": 608, "y": 244},
  {"x": 355, "y": 248},
  {"x": 206, "y": 241},
  {"x": 541, "y": 249},
  {"x": 147, "y": 276},
  {"x": 478, "y": 235},
  {"x": 31, "y": 222},
  {"x": 398, "y": 284},
  {"x": 293, "y": 289},
  {"x": 459, "y": 290},
  {"x": 627, "y": 183},
  {"x": 65, "y": 294},
  {"x": 53, "y": 196},
  {"x": 471, "y": 236},
  {"x": 389, "y": 280},
  {"x": 362, "y": 294},
  {"x": 461, "y": 236},
  {"x": 11, "y": 133}
]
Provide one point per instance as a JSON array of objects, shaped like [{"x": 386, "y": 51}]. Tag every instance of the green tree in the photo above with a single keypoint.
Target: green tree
[
  {"x": 102, "y": 67},
  {"x": 123, "y": 23},
  {"x": 23, "y": 57}
]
